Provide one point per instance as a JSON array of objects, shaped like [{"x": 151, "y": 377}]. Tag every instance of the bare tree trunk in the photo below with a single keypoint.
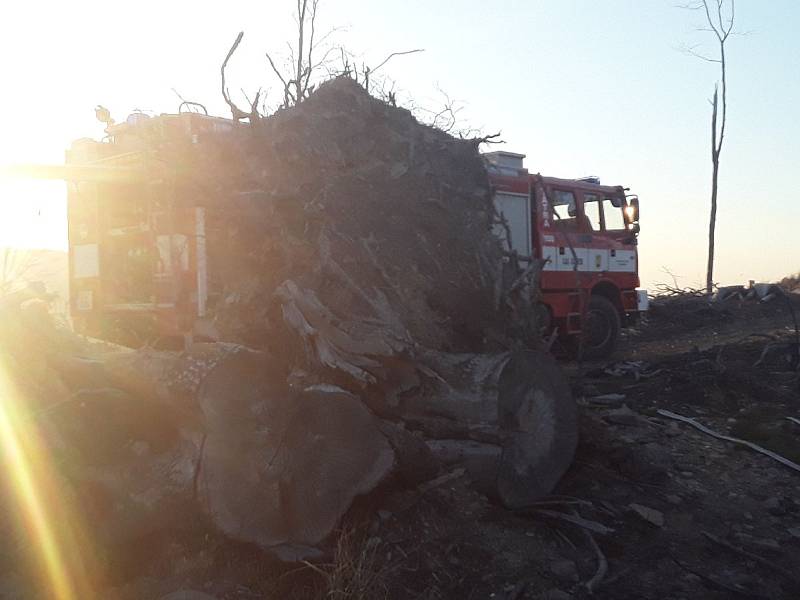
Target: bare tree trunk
[
  {"x": 721, "y": 26},
  {"x": 712, "y": 225},
  {"x": 712, "y": 222},
  {"x": 301, "y": 21}
]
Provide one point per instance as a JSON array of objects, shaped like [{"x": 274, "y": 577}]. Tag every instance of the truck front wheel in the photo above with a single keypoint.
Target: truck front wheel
[{"x": 601, "y": 328}]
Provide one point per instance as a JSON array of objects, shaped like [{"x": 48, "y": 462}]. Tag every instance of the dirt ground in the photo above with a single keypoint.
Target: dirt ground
[{"x": 651, "y": 508}]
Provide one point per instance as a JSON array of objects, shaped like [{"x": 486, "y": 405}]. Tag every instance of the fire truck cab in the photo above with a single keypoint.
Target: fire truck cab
[{"x": 585, "y": 235}]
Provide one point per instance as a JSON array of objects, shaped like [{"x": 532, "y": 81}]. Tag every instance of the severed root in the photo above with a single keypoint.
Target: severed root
[
  {"x": 602, "y": 565},
  {"x": 754, "y": 557},
  {"x": 774, "y": 456}
]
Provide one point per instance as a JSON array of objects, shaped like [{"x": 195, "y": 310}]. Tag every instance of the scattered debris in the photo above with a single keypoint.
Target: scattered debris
[
  {"x": 607, "y": 399},
  {"x": 719, "y": 436},
  {"x": 622, "y": 416},
  {"x": 754, "y": 557},
  {"x": 575, "y": 519},
  {"x": 639, "y": 369},
  {"x": 650, "y": 515}
]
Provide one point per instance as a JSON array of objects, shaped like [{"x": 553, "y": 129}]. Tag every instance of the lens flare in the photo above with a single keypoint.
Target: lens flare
[{"x": 49, "y": 527}]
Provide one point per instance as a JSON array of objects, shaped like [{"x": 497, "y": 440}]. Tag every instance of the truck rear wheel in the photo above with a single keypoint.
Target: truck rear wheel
[{"x": 600, "y": 329}]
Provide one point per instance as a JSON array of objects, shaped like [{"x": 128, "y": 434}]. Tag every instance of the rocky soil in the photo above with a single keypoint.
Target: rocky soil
[{"x": 651, "y": 508}]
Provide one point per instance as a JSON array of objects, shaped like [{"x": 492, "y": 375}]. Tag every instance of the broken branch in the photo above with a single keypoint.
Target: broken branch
[
  {"x": 715, "y": 583},
  {"x": 236, "y": 112},
  {"x": 750, "y": 556},
  {"x": 587, "y": 524},
  {"x": 393, "y": 54},
  {"x": 602, "y": 565},
  {"x": 777, "y": 457}
]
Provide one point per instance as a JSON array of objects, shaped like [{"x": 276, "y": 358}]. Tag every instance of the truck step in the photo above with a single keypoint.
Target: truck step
[{"x": 570, "y": 317}]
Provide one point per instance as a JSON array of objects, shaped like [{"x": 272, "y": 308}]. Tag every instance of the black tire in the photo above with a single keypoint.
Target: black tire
[{"x": 600, "y": 329}]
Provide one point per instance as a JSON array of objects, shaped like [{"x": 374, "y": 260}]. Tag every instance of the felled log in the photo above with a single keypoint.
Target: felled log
[
  {"x": 280, "y": 468},
  {"x": 509, "y": 417},
  {"x": 268, "y": 464}
]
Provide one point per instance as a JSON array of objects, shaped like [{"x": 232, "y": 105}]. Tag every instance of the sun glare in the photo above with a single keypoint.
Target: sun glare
[
  {"x": 32, "y": 214},
  {"x": 50, "y": 531}
]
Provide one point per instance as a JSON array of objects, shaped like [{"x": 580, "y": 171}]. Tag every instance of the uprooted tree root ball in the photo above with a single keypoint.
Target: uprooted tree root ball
[{"x": 371, "y": 334}]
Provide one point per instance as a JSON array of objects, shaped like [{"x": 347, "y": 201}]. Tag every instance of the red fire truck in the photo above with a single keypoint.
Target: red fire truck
[
  {"x": 586, "y": 235},
  {"x": 161, "y": 282}
]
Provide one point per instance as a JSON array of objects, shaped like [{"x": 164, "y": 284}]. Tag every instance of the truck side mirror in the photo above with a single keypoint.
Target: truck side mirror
[{"x": 632, "y": 210}]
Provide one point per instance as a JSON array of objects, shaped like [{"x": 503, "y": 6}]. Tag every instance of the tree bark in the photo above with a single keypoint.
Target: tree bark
[
  {"x": 722, "y": 31},
  {"x": 712, "y": 222}
]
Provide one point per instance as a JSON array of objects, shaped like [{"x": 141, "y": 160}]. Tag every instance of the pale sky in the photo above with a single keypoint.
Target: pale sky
[{"x": 581, "y": 86}]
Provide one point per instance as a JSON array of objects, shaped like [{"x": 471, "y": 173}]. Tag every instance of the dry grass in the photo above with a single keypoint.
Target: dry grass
[{"x": 355, "y": 573}]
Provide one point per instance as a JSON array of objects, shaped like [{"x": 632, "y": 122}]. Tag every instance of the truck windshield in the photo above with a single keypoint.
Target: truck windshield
[
  {"x": 613, "y": 219},
  {"x": 612, "y": 211}
]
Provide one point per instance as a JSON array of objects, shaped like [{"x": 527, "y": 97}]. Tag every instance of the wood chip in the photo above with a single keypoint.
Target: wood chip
[{"x": 651, "y": 515}]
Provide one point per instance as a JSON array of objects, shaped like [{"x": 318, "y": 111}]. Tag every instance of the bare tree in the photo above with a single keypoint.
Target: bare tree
[
  {"x": 309, "y": 61},
  {"x": 370, "y": 71},
  {"x": 237, "y": 113},
  {"x": 719, "y": 18},
  {"x": 307, "y": 58}
]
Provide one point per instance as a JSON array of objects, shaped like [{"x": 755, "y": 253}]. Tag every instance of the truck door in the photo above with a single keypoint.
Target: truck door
[
  {"x": 571, "y": 233},
  {"x": 610, "y": 246},
  {"x": 622, "y": 258},
  {"x": 593, "y": 235}
]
